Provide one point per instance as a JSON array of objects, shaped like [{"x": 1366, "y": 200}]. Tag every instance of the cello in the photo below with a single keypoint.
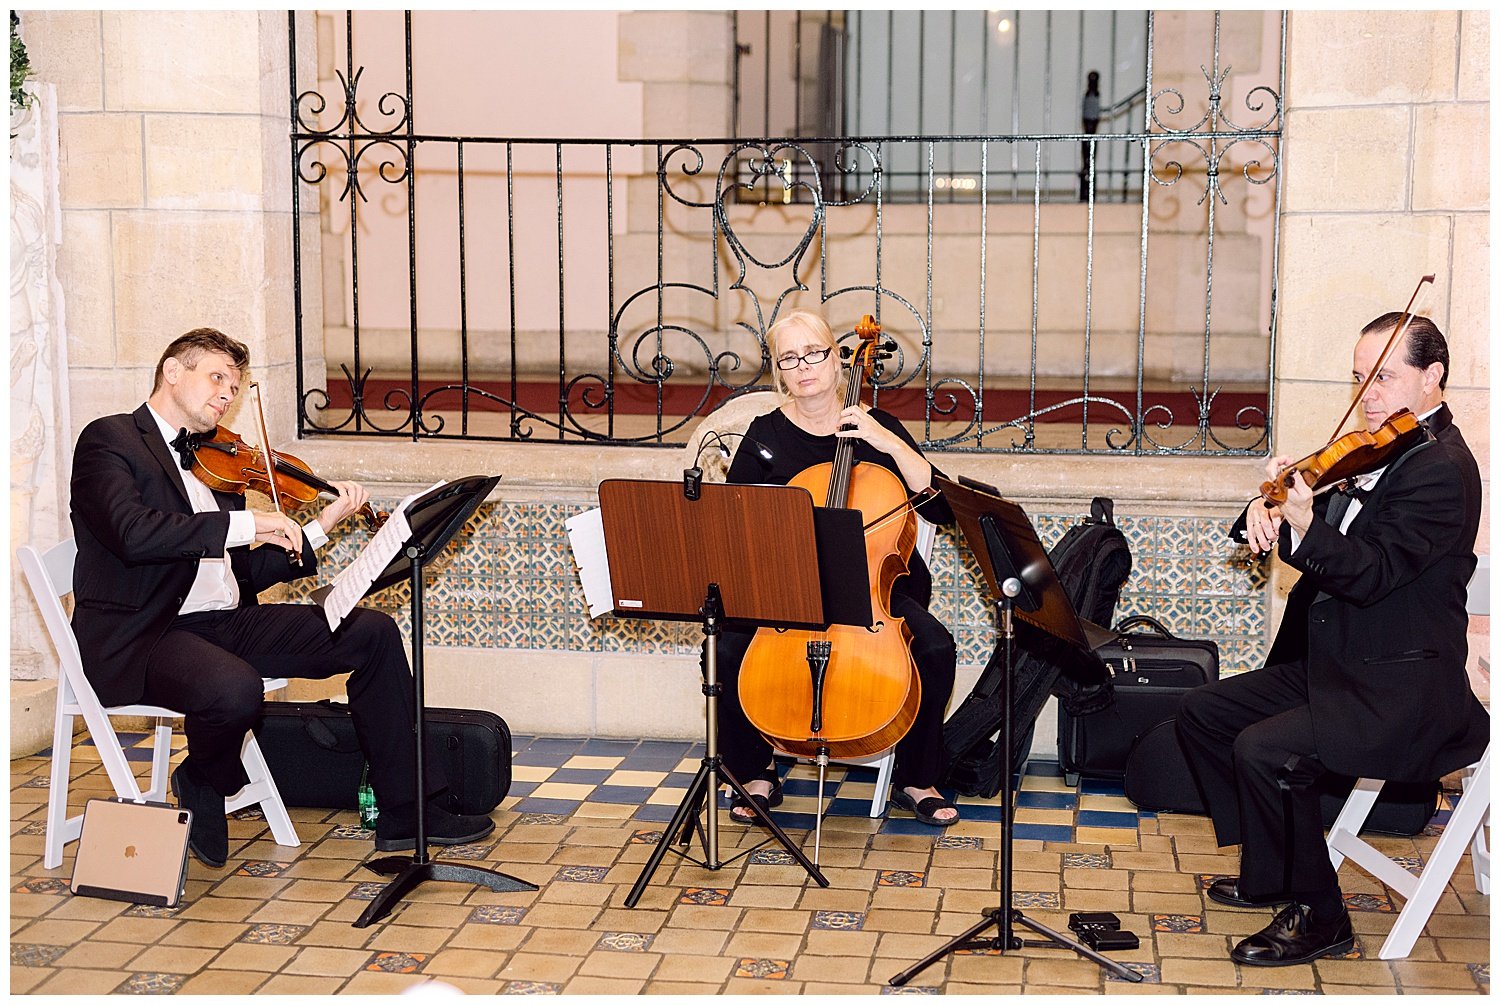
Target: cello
[{"x": 848, "y": 691}]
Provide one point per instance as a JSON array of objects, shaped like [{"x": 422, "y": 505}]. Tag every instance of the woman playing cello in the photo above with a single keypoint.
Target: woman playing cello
[{"x": 802, "y": 432}]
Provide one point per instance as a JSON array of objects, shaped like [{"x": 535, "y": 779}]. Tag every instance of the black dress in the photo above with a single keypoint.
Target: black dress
[{"x": 920, "y": 757}]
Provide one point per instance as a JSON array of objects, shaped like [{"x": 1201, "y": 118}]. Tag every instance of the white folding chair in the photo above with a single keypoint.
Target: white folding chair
[
  {"x": 50, "y": 576},
  {"x": 1422, "y": 890},
  {"x": 1465, "y": 827}
]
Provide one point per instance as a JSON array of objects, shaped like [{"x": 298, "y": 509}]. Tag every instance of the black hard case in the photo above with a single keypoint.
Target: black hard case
[
  {"x": 315, "y": 758},
  {"x": 1150, "y": 670}
]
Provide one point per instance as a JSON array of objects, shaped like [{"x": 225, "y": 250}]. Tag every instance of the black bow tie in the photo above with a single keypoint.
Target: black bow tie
[
  {"x": 186, "y": 445},
  {"x": 1353, "y": 491}
]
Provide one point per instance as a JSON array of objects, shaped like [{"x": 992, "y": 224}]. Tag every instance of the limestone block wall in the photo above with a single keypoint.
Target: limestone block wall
[
  {"x": 1387, "y": 179},
  {"x": 176, "y": 197}
]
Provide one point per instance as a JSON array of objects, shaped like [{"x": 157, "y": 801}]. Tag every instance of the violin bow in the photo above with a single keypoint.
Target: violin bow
[{"x": 265, "y": 453}]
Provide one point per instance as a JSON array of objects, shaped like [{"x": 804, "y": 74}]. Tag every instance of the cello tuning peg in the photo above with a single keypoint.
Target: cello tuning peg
[
  {"x": 888, "y": 346},
  {"x": 845, "y": 352}
]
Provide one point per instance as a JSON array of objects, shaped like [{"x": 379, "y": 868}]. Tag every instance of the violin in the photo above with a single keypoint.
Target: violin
[
  {"x": 226, "y": 463},
  {"x": 1360, "y": 451},
  {"x": 848, "y": 691}
]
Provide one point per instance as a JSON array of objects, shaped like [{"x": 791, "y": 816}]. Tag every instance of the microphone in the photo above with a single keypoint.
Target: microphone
[{"x": 692, "y": 478}]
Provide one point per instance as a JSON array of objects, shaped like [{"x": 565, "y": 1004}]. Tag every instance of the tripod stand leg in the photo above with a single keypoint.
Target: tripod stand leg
[
  {"x": 959, "y": 942},
  {"x": 681, "y": 820},
  {"x": 774, "y": 827}
]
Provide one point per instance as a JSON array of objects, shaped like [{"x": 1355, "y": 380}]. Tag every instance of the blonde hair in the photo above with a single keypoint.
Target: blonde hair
[{"x": 811, "y": 323}]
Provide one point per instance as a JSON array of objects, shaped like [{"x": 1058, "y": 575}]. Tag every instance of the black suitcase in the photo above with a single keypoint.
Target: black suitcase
[
  {"x": 1156, "y": 773},
  {"x": 1157, "y": 778},
  {"x": 316, "y": 761},
  {"x": 1149, "y": 671}
]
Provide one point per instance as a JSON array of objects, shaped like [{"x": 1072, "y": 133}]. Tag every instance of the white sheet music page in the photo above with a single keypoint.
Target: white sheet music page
[
  {"x": 586, "y": 535},
  {"x": 349, "y": 586}
]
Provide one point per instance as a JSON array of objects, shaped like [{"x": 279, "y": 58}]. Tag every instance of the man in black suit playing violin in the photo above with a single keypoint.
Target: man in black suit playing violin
[
  {"x": 1367, "y": 673},
  {"x": 165, "y": 590}
]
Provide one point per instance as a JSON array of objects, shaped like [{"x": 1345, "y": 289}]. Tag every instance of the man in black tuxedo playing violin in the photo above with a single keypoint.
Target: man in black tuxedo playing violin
[
  {"x": 165, "y": 590},
  {"x": 1367, "y": 673}
]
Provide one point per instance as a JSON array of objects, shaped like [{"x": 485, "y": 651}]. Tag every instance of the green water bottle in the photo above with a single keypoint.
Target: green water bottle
[{"x": 368, "y": 811}]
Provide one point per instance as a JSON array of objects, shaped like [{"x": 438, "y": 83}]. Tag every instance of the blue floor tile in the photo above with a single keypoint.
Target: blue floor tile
[
  {"x": 584, "y": 776},
  {"x": 1047, "y": 800},
  {"x": 1044, "y": 769},
  {"x": 1043, "y": 832},
  {"x": 1100, "y": 787},
  {"x": 662, "y": 748},
  {"x": 909, "y": 826},
  {"x": 541, "y": 758},
  {"x": 522, "y": 788},
  {"x": 534, "y": 804},
  {"x": 620, "y": 794},
  {"x": 1106, "y": 818},
  {"x": 849, "y": 808},
  {"x": 555, "y": 744},
  {"x": 608, "y": 748},
  {"x": 655, "y": 814}
]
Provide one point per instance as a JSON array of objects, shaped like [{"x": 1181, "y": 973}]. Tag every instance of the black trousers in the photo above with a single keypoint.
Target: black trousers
[
  {"x": 920, "y": 757},
  {"x": 1249, "y": 743},
  {"x": 209, "y": 666}
]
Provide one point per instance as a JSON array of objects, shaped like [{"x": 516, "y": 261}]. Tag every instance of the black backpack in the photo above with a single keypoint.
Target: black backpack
[{"x": 1093, "y": 562}]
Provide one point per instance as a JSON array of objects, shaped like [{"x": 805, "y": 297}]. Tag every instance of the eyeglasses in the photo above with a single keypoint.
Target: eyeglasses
[{"x": 789, "y": 362}]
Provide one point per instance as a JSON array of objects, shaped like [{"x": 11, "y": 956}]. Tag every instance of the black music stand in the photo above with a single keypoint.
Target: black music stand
[
  {"x": 716, "y": 558},
  {"x": 1020, "y": 578},
  {"x": 434, "y": 518}
]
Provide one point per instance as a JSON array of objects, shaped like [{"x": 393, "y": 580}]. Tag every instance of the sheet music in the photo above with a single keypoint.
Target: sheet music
[
  {"x": 349, "y": 586},
  {"x": 586, "y": 535}
]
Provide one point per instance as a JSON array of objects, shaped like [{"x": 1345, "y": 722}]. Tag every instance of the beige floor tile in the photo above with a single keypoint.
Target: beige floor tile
[
  {"x": 524, "y": 966},
  {"x": 82, "y": 982},
  {"x": 298, "y": 984},
  {"x": 591, "y": 985},
  {"x": 322, "y": 961},
  {"x": 463, "y": 963},
  {"x": 607, "y": 963},
  {"x": 224, "y": 982},
  {"x": 210, "y": 934},
  {"x": 677, "y": 966},
  {"x": 24, "y": 979},
  {"x": 252, "y": 956},
  {"x": 172, "y": 959}
]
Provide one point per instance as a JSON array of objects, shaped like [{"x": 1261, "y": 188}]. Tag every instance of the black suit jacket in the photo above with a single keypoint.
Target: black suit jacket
[
  {"x": 139, "y": 543},
  {"x": 1378, "y": 619}
]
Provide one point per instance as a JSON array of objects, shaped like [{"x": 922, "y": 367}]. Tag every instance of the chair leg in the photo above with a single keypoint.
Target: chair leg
[
  {"x": 57, "y": 793},
  {"x": 1466, "y": 818},
  {"x": 1479, "y": 847},
  {"x": 883, "y": 783},
  {"x": 262, "y": 789},
  {"x": 1352, "y": 817},
  {"x": 161, "y": 759}
]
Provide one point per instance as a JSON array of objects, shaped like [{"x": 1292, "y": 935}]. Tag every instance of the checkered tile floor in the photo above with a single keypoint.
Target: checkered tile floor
[{"x": 566, "y": 776}]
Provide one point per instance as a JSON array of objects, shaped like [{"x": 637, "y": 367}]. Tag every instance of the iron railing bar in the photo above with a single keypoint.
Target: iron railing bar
[{"x": 463, "y": 293}]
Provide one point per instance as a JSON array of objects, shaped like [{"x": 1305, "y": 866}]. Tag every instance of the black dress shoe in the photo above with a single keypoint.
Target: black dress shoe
[
  {"x": 208, "y": 835},
  {"x": 1226, "y": 890},
  {"x": 396, "y": 829},
  {"x": 1293, "y": 937}
]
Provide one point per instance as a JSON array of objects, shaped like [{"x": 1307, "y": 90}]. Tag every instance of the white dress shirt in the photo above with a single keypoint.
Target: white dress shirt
[{"x": 215, "y": 588}]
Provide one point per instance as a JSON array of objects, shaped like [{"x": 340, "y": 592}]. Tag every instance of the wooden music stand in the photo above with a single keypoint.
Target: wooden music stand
[{"x": 716, "y": 559}]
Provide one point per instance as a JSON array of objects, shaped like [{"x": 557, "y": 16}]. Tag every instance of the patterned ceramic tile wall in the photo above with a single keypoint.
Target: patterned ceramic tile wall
[{"x": 508, "y": 581}]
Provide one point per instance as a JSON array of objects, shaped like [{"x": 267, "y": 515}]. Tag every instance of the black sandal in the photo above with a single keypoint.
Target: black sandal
[
  {"x": 926, "y": 809},
  {"x": 766, "y": 802}
]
